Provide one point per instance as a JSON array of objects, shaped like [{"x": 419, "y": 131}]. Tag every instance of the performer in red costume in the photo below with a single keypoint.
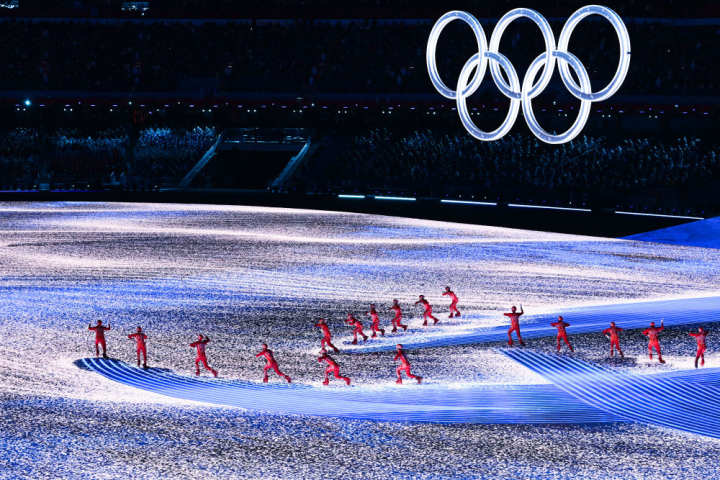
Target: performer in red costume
[
  {"x": 562, "y": 334},
  {"x": 199, "y": 345},
  {"x": 612, "y": 333},
  {"x": 453, "y": 302},
  {"x": 140, "y": 337},
  {"x": 700, "y": 338},
  {"x": 514, "y": 325},
  {"x": 358, "y": 328},
  {"x": 375, "y": 325},
  {"x": 270, "y": 363},
  {"x": 428, "y": 310},
  {"x": 397, "y": 320},
  {"x": 332, "y": 367},
  {"x": 99, "y": 330},
  {"x": 653, "y": 342},
  {"x": 404, "y": 365},
  {"x": 326, "y": 335}
]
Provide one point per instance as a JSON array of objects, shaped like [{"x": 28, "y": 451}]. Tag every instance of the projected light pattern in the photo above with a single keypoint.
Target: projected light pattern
[
  {"x": 685, "y": 404},
  {"x": 580, "y": 394},
  {"x": 428, "y": 403},
  {"x": 523, "y": 94}
]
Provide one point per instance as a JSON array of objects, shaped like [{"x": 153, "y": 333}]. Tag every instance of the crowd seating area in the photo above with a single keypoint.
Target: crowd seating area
[
  {"x": 164, "y": 155},
  {"x": 330, "y": 8},
  {"x": 640, "y": 174},
  {"x": 310, "y": 56},
  {"x": 98, "y": 159},
  {"x": 636, "y": 173}
]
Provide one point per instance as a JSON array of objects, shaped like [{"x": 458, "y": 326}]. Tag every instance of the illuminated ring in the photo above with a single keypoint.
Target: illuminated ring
[
  {"x": 431, "y": 59},
  {"x": 623, "y": 62},
  {"x": 548, "y": 36},
  {"x": 564, "y": 59},
  {"x": 509, "y": 121}
]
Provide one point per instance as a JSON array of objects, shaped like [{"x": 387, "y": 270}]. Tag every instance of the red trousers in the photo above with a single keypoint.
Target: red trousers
[
  {"x": 406, "y": 369},
  {"x": 397, "y": 322},
  {"x": 101, "y": 342},
  {"x": 358, "y": 330},
  {"x": 615, "y": 344},
  {"x": 454, "y": 310},
  {"x": 326, "y": 341},
  {"x": 142, "y": 350},
  {"x": 428, "y": 314},
  {"x": 273, "y": 366},
  {"x": 375, "y": 327},
  {"x": 700, "y": 356},
  {"x": 516, "y": 329},
  {"x": 565, "y": 339},
  {"x": 656, "y": 346},
  {"x": 336, "y": 372},
  {"x": 203, "y": 359}
]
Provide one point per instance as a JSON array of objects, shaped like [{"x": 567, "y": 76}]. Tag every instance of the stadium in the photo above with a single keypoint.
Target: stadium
[{"x": 306, "y": 239}]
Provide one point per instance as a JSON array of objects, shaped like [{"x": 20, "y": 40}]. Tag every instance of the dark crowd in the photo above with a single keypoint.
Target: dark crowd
[
  {"x": 636, "y": 173},
  {"x": 365, "y": 56}
]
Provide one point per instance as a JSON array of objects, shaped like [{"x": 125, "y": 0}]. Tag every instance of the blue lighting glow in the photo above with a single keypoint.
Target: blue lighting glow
[
  {"x": 468, "y": 202},
  {"x": 402, "y": 199},
  {"x": 357, "y": 197},
  {"x": 660, "y": 215},
  {"x": 546, "y": 207}
]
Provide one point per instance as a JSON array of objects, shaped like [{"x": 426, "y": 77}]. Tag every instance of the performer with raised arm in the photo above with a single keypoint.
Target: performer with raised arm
[
  {"x": 99, "y": 330},
  {"x": 397, "y": 319},
  {"x": 562, "y": 334},
  {"x": 514, "y": 324},
  {"x": 140, "y": 347},
  {"x": 653, "y": 341},
  {"x": 357, "y": 328},
  {"x": 404, "y": 365},
  {"x": 199, "y": 346},
  {"x": 453, "y": 302},
  {"x": 332, "y": 367},
  {"x": 612, "y": 333},
  {"x": 428, "y": 310},
  {"x": 326, "y": 340},
  {"x": 375, "y": 318},
  {"x": 700, "y": 338},
  {"x": 270, "y": 363}
]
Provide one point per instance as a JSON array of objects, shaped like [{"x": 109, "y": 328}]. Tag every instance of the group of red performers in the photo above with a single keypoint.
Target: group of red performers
[{"x": 612, "y": 333}]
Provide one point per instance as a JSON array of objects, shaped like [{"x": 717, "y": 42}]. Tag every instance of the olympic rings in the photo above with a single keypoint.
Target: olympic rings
[{"x": 522, "y": 94}]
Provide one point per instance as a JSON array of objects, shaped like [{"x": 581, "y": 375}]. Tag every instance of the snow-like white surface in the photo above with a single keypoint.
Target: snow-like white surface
[{"x": 244, "y": 275}]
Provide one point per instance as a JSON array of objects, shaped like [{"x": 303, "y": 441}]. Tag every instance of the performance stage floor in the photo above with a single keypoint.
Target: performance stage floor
[{"x": 247, "y": 275}]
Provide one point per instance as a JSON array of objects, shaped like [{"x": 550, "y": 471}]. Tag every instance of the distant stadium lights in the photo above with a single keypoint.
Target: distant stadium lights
[
  {"x": 547, "y": 207},
  {"x": 356, "y": 197},
  {"x": 468, "y": 202},
  {"x": 400, "y": 199},
  {"x": 659, "y": 215},
  {"x": 545, "y": 62},
  {"x": 27, "y": 102}
]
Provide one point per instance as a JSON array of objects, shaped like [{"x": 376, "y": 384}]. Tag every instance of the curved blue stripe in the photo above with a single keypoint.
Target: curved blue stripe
[
  {"x": 409, "y": 403},
  {"x": 680, "y": 401}
]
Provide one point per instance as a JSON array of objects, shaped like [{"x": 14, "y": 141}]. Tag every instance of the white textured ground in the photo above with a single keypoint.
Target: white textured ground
[{"x": 246, "y": 275}]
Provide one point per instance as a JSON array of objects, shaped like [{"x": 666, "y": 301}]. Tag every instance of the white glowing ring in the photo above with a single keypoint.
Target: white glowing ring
[{"x": 523, "y": 94}]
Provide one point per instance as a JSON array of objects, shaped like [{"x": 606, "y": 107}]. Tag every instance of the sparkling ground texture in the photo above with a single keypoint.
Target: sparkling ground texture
[{"x": 246, "y": 275}]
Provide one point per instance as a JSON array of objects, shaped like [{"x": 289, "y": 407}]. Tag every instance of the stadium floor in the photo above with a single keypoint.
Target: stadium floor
[{"x": 246, "y": 275}]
